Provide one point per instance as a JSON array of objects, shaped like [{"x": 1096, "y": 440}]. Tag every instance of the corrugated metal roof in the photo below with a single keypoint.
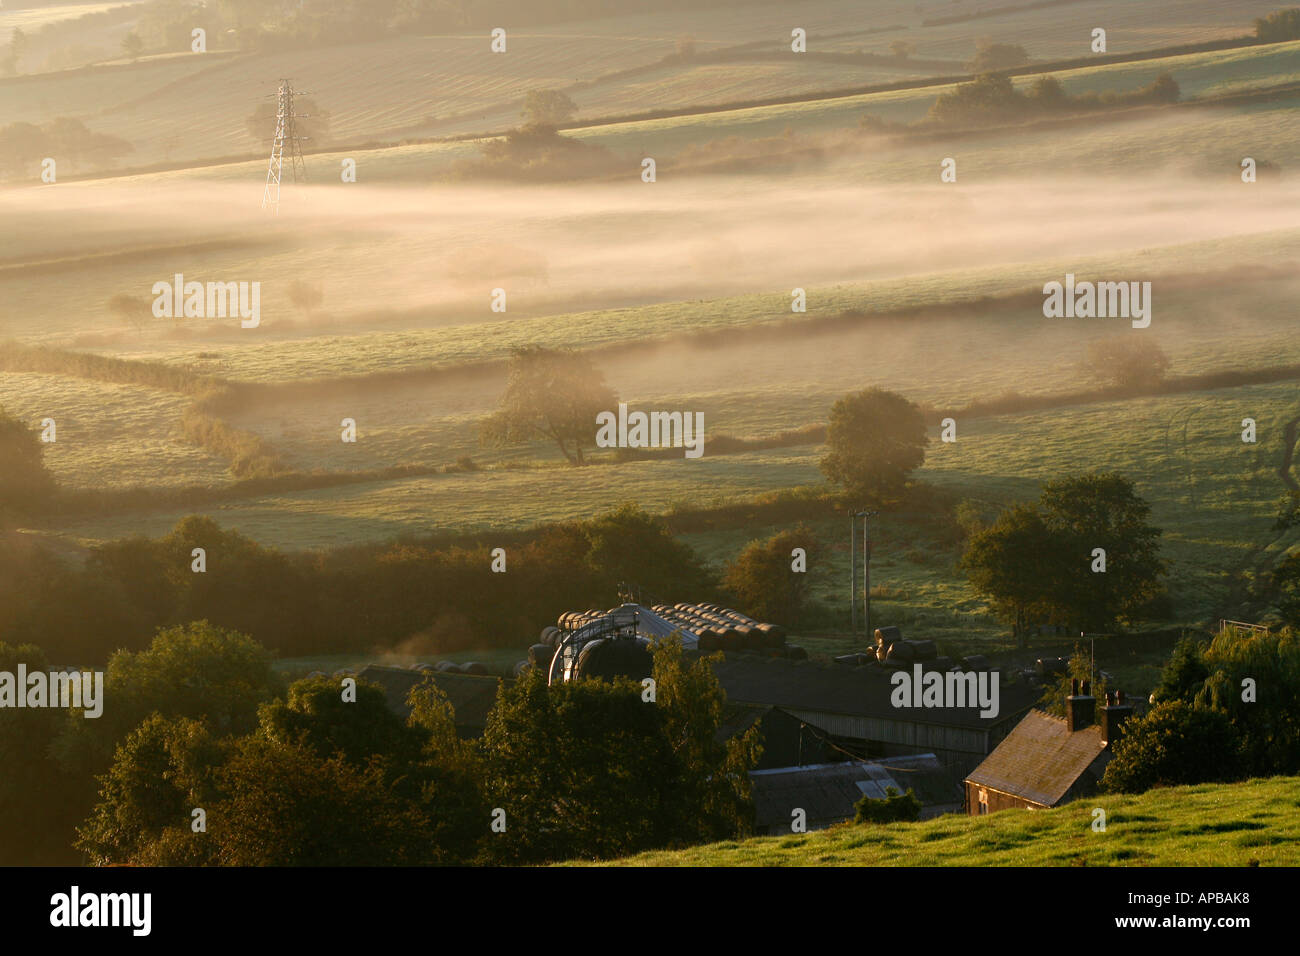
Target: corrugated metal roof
[
  {"x": 1040, "y": 760},
  {"x": 827, "y": 793},
  {"x": 857, "y": 691}
]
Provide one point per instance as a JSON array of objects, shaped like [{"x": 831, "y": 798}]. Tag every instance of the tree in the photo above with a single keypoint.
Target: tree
[
  {"x": 631, "y": 548},
  {"x": 25, "y": 483},
  {"x": 990, "y": 97},
  {"x": 991, "y": 56},
  {"x": 135, "y": 310},
  {"x": 902, "y": 49},
  {"x": 1172, "y": 745},
  {"x": 196, "y": 671},
  {"x": 1006, "y": 563},
  {"x": 132, "y": 45},
  {"x": 160, "y": 773},
  {"x": 1127, "y": 361},
  {"x": 551, "y": 394},
  {"x": 315, "y": 715},
  {"x": 875, "y": 440},
  {"x": 590, "y": 769},
  {"x": 581, "y": 769},
  {"x": 1184, "y": 674},
  {"x": 550, "y": 108},
  {"x": 1279, "y": 26},
  {"x": 1101, "y": 510},
  {"x": 1267, "y": 720},
  {"x": 763, "y": 581},
  {"x": 30, "y": 781},
  {"x": 286, "y": 805},
  {"x": 1286, "y": 580},
  {"x": 306, "y": 296}
]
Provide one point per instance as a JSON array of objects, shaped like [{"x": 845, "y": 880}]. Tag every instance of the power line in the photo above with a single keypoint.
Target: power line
[{"x": 286, "y": 133}]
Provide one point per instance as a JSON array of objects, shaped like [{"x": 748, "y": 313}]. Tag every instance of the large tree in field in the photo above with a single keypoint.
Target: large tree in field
[
  {"x": 25, "y": 483},
  {"x": 1043, "y": 561},
  {"x": 1008, "y": 562},
  {"x": 1101, "y": 510},
  {"x": 551, "y": 394},
  {"x": 874, "y": 440}
]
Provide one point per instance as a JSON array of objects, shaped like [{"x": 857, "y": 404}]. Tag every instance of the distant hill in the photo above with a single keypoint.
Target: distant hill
[{"x": 1208, "y": 825}]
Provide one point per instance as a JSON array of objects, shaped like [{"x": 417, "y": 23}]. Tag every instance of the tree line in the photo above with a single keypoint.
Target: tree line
[{"x": 204, "y": 757}]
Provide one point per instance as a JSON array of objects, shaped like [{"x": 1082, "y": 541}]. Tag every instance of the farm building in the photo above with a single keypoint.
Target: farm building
[
  {"x": 1046, "y": 760},
  {"x": 617, "y": 641},
  {"x": 787, "y": 741},
  {"x": 852, "y": 706},
  {"x": 828, "y": 792}
]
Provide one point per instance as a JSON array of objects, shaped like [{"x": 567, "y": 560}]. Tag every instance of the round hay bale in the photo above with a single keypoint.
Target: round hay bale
[
  {"x": 795, "y": 653},
  {"x": 550, "y": 635},
  {"x": 708, "y": 640},
  {"x": 902, "y": 651},
  {"x": 539, "y": 655},
  {"x": 773, "y": 635},
  {"x": 474, "y": 667},
  {"x": 924, "y": 650},
  {"x": 521, "y": 668},
  {"x": 447, "y": 667}
]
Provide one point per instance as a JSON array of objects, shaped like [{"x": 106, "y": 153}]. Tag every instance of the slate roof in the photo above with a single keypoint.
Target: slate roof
[
  {"x": 854, "y": 691},
  {"x": 471, "y": 696},
  {"x": 1040, "y": 760},
  {"x": 827, "y": 792}
]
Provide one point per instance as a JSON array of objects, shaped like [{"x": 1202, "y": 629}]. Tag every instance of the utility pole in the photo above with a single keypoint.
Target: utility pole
[
  {"x": 853, "y": 573},
  {"x": 866, "y": 569},
  {"x": 286, "y": 134}
]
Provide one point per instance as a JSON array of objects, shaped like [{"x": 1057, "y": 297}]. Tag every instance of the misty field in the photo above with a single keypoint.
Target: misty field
[{"x": 376, "y": 296}]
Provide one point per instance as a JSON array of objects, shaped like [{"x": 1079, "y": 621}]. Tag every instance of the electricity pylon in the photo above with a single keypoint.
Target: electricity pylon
[{"x": 286, "y": 135}]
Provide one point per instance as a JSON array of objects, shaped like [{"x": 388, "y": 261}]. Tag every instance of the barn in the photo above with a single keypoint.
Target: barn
[
  {"x": 852, "y": 707},
  {"x": 827, "y": 793},
  {"x": 1047, "y": 760}
]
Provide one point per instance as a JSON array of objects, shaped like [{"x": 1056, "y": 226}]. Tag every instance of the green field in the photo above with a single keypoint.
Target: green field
[
  {"x": 680, "y": 290},
  {"x": 1245, "y": 824}
]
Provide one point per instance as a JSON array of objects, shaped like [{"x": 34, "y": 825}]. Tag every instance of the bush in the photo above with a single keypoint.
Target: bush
[
  {"x": 1172, "y": 745},
  {"x": 893, "y": 808},
  {"x": 1127, "y": 361}
]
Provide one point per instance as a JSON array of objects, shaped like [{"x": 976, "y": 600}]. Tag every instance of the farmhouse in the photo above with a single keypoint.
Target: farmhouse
[{"x": 1046, "y": 760}]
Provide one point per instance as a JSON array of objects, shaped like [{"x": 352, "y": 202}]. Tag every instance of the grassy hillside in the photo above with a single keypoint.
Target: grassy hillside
[{"x": 1251, "y": 823}]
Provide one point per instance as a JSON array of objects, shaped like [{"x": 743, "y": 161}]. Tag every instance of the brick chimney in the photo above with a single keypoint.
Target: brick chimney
[
  {"x": 1113, "y": 716},
  {"x": 1080, "y": 706}
]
